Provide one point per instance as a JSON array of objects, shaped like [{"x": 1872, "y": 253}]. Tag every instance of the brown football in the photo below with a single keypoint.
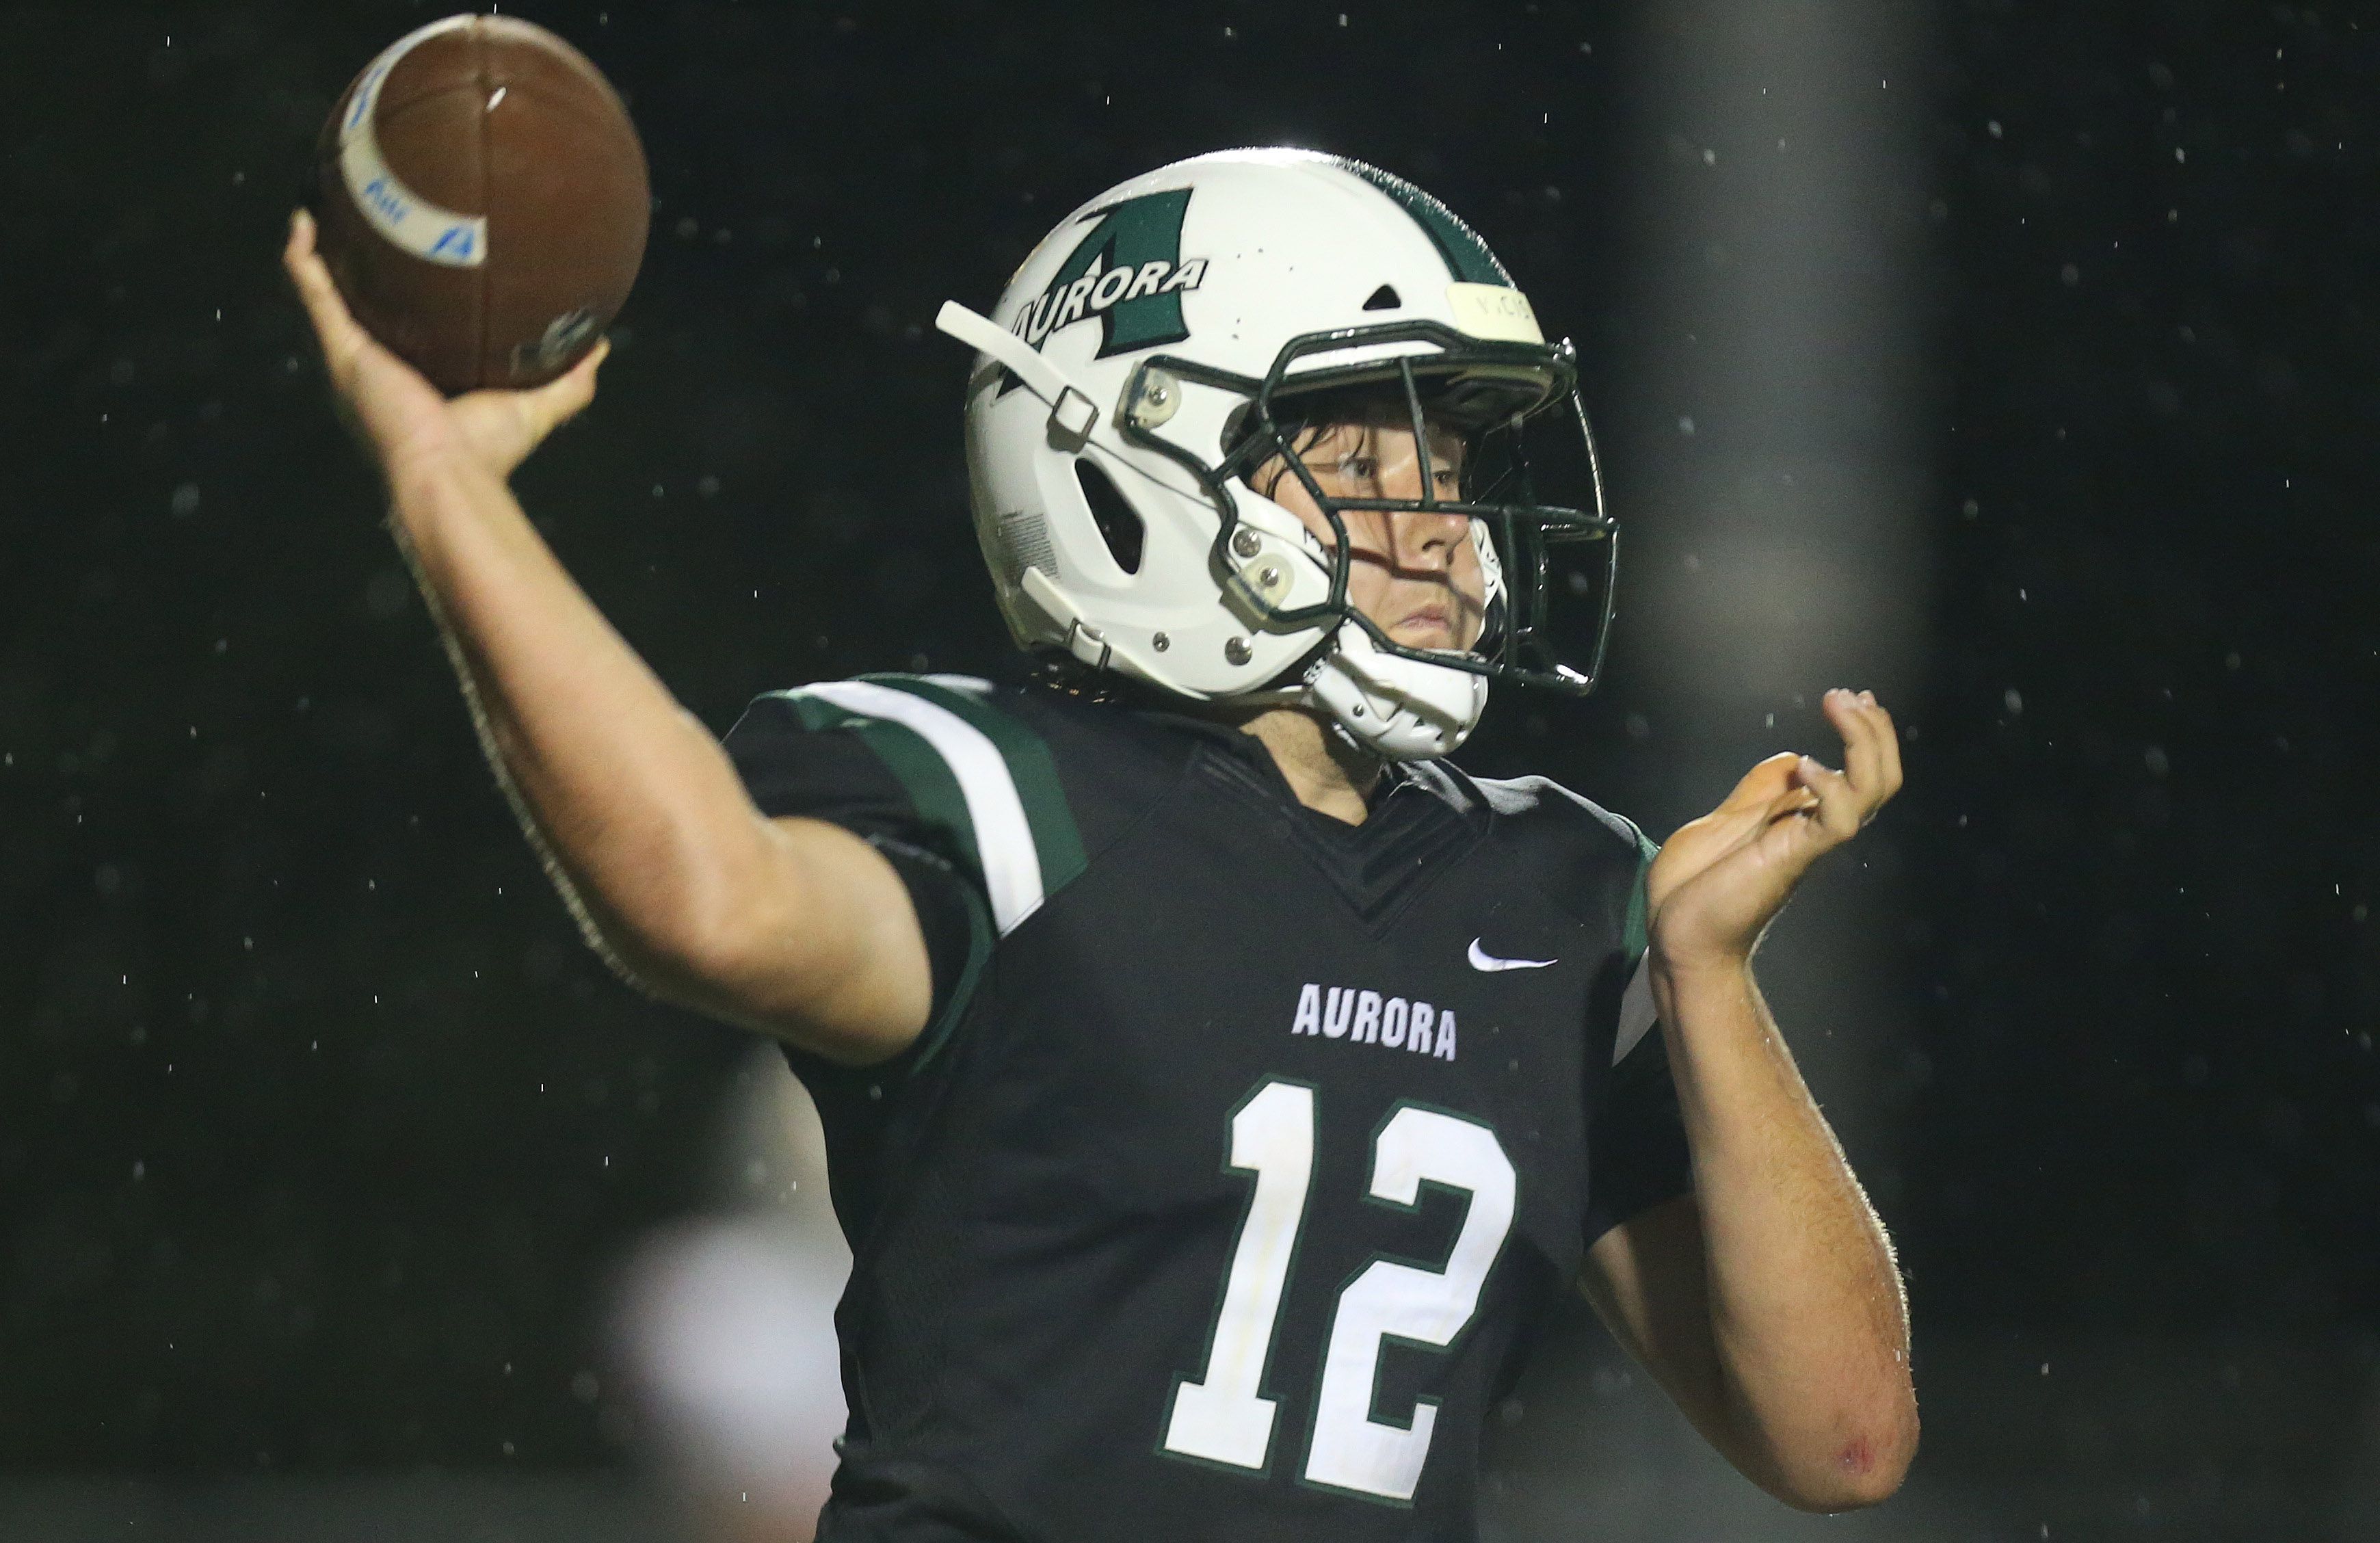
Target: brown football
[{"x": 482, "y": 202}]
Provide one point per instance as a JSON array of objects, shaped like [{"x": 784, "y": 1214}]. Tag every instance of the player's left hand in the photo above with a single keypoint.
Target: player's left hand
[{"x": 1720, "y": 880}]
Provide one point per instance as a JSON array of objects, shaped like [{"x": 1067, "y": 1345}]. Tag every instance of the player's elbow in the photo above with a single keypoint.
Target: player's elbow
[
  {"x": 1864, "y": 1465},
  {"x": 691, "y": 924},
  {"x": 755, "y": 953},
  {"x": 708, "y": 946},
  {"x": 771, "y": 936},
  {"x": 634, "y": 933}
]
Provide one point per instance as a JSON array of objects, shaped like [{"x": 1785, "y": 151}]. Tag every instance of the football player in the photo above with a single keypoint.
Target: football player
[{"x": 1218, "y": 1084}]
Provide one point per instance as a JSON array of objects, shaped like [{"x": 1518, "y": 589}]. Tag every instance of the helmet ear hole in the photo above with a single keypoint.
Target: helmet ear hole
[
  {"x": 1383, "y": 298},
  {"x": 1119, "y": 525}
]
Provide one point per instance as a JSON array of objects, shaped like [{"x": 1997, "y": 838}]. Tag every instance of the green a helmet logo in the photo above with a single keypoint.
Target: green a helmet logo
[{"x": 1128, "y": 271}]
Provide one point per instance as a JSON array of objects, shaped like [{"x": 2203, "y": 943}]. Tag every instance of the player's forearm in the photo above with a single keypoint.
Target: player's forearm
[
  {"x": 1808, "y": 1321},
  {"x": 632, "y": 803}
]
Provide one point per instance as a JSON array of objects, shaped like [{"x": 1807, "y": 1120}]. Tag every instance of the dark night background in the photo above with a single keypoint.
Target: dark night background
[{"x": 318, "y": 1130}]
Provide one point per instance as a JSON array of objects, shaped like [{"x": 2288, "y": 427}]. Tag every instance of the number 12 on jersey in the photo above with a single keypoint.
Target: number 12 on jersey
[{"x": 1223, "y": 1416}]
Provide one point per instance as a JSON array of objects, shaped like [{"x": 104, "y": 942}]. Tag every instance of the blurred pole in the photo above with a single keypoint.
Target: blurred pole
[{"x": 1779, "y": 547}]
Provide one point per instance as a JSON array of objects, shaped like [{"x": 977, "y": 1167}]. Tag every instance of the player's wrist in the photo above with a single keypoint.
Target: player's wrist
[
  {"x": 1675, "y": 966},
  {"x": 1700, "y": 987},
  {"x": 433, "y": 480},
  {"x": 416, "y": 463}
]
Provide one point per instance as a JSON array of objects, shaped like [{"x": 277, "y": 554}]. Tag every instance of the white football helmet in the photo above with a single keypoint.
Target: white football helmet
[{"x": 1158, "y": 346}]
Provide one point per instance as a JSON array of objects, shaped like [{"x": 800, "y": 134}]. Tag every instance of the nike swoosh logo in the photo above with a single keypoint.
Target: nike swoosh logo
[{"x": 1483, "y": 960}]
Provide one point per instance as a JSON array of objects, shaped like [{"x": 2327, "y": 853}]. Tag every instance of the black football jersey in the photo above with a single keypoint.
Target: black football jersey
[{"x": 1246, "y": 1147}]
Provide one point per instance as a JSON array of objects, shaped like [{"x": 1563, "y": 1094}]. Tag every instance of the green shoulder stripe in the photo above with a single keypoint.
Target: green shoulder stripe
[
  {"x": 981, "y": 778},
  {"x": 920, "y": 770},
  {"x": 1056, "y": 838}
]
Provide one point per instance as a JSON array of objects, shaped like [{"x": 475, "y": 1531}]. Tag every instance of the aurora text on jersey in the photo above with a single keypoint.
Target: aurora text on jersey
[
  {"x": 1365, "y": 1017},
  {"x": 1223, "y": 1190}
]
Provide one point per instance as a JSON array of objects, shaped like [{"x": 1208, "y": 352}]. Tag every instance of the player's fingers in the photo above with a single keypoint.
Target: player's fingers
[
  {"x": 1888, "y": 747},
  {"x": 1862, "y": 749},
  {"x": 558, "y": 401},
  {"x": 334, "y": 328},
  {"x": 305, "y": 269},
  {"x": 1883, "y": 737},
  {"x": 508, "y": 426},
  {"x": 1891, "y": 733},
  {"x": 301, "y": 236},
  {"x": 1841, "y": 810}
]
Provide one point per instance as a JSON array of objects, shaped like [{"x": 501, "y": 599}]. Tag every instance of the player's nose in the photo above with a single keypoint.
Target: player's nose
[{"x": 1427, "y": 538}]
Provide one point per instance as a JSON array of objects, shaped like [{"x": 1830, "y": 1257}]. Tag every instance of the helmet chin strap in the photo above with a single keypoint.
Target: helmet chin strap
[
  {"x": 1072, "y": 414},
  {"x": 1397, "y": 708}
]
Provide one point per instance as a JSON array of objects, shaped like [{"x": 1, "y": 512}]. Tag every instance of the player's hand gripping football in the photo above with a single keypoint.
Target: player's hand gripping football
[
  {"x": 399, "y": 416},
  {"x": 1720, "y": 880}
]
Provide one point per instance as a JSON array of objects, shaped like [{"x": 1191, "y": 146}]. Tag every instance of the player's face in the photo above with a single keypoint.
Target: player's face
[{"x": 1414, "y": 574}]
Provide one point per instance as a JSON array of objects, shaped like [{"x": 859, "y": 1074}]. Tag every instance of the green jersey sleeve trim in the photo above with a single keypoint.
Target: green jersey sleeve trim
[
  {"x": 1636, "y": 936},
  {"x": 979, "y": 940},
  {"x": 1636, "y": 1014},
  {"x": 922, "y": 773},
  {"x": 970, "y": 770},
  {"x": 1031, "y": 767}
]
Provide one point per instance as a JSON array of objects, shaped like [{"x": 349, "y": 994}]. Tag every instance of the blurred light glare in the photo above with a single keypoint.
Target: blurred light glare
[{"x": 725, "y": 1320}]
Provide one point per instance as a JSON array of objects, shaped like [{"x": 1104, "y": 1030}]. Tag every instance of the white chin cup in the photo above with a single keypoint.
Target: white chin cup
[{"x": 1402, "y": 709}]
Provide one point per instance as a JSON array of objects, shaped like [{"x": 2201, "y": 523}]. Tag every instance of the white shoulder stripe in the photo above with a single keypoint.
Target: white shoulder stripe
[
  {"x": 1636, "y": 1014},
  {"x": 1004, "y": 841}
]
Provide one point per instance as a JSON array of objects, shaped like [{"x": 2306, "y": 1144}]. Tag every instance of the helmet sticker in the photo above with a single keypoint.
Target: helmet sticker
[
  {"x": 1493, "y": 311},
  {"x": 1127, "y": 271}
]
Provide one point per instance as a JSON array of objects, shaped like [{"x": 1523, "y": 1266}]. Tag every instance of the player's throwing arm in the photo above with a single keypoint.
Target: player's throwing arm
[{"x": 794, "y": 927}]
